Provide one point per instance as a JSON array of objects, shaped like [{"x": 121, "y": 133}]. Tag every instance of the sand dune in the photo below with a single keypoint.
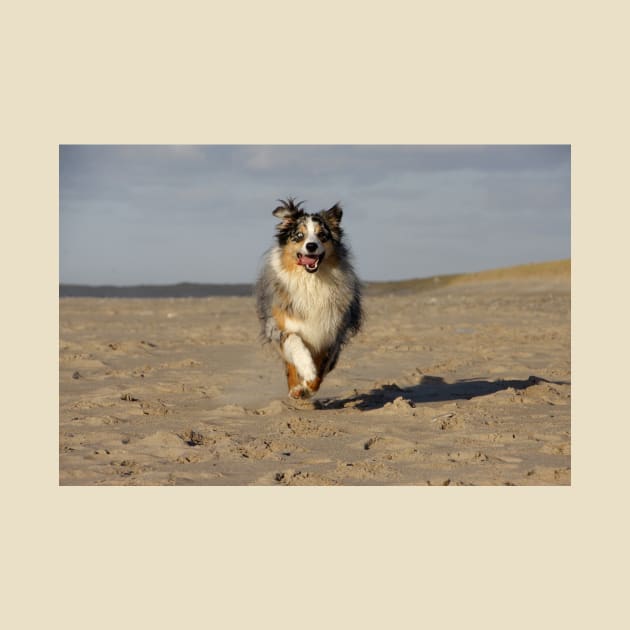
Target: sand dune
[{"x": 460, "y": 381}]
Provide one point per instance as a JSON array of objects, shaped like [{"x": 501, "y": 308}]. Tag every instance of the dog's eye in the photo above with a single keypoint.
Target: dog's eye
[
  {"x": 323, "y": 237},
  {"x": 298, "y": 237}
]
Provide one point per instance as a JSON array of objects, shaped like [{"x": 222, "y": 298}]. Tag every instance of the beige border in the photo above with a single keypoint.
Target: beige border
[{"x": 325, "y": 73}]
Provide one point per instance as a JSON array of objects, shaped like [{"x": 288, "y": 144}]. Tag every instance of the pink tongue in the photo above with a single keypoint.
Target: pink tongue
[{"x": 306, "y": 260}]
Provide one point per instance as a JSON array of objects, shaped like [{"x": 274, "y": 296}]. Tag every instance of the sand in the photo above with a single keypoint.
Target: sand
[{"x": 463, "y": 381}]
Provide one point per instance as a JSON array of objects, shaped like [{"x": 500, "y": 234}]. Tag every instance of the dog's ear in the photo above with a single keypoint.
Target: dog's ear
[
  {"x": 288, "y": 210},
  {"x": 283, "y": 212},
  {"x": 333, "y": 215}
]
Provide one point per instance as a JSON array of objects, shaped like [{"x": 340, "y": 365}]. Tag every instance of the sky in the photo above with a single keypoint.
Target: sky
[{"x": 162, "y": 214}]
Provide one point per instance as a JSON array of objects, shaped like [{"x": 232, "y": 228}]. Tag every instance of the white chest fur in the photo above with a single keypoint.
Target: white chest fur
[{"x": 318, "y": 303}]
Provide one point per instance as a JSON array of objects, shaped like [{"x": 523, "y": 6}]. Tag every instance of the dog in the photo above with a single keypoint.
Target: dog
[{"x": 308, "y": 296}]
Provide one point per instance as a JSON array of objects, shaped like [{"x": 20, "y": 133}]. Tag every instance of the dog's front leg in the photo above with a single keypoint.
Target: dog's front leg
[{"x": 301, "y": 370}]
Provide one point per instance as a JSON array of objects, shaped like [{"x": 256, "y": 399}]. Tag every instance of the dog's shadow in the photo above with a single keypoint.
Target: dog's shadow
[{"x": 431, "y": 389}]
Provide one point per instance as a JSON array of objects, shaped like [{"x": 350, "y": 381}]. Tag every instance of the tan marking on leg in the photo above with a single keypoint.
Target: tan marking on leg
[
  {"x": 314, "y": 384},
  {"x": 293, "y": 378}
]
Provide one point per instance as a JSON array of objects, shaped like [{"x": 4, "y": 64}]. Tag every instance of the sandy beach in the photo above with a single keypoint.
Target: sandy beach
[{"x": 457, "y": 382}]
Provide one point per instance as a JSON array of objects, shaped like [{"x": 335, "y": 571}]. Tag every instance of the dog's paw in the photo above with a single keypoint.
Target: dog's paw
[{"x": 300, "y": 391}]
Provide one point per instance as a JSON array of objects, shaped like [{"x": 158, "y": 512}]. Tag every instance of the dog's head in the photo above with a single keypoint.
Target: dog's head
[{"x": 308, "y": 239}]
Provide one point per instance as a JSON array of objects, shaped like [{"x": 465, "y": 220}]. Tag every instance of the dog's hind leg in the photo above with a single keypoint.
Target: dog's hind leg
[{"x": 331, "y": 359}]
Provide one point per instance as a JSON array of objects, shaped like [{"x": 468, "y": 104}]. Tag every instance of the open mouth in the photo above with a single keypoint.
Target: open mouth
[{"x": 310, "y": 263}]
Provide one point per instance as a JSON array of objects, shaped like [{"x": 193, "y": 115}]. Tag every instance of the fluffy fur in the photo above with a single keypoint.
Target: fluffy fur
[{"x": 308, "y": 295}]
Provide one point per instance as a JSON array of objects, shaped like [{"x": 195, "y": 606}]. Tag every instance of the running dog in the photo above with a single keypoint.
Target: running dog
[{"x": 308, "y": 295}]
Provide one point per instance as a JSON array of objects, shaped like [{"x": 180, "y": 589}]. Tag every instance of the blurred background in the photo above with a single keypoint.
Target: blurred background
[{"x": 153, "y": 214}]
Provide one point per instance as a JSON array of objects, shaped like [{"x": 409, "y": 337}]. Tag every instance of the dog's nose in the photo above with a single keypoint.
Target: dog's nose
[{"x": 311, "y": 247}]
